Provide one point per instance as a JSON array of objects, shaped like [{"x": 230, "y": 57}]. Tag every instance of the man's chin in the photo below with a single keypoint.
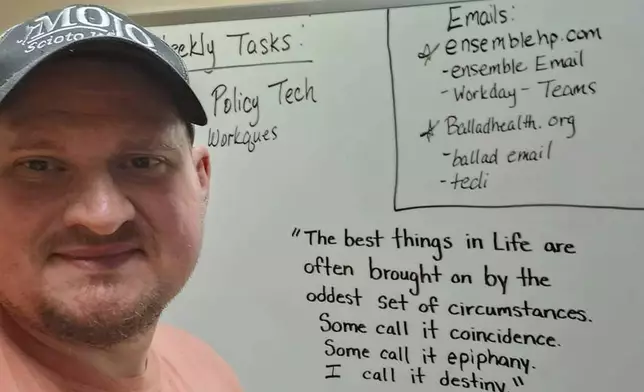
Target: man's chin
[{"x": 101, "y": 321}]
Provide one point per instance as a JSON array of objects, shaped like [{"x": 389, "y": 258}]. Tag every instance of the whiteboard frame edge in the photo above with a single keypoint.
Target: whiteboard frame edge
[{"x": 277, "y": 9}]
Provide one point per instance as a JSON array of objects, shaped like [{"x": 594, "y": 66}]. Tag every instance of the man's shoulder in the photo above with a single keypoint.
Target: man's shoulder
[{"x": 188, "y": 357}]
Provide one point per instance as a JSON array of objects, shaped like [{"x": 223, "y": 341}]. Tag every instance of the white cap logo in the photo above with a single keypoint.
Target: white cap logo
[{"x": 78, "y": 22}]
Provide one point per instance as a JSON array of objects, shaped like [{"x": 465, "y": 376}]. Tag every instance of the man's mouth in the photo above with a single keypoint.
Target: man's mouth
[{"x": 107, "y": 256}]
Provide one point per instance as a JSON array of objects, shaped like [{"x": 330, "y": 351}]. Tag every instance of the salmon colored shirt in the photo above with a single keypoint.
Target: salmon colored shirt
[{"x": 177, "y": 362}]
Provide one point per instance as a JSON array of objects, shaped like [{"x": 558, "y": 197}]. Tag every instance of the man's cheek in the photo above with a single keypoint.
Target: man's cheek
[
  {"x": 180, "y": 217},
  {"x": 10, "y": 260},
  {"x": 18, "y": 279},
  {"x": 183, "y": 243},
  {"x": 180, "y": 245}
]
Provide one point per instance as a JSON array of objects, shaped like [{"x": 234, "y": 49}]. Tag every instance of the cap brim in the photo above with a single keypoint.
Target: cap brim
[{"x": 188, "y": 105}]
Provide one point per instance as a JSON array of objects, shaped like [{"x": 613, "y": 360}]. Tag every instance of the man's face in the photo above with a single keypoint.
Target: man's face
[{"x": 102, "y": 201}]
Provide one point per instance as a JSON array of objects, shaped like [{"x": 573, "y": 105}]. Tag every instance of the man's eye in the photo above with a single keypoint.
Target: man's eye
[
  {"x": 40, "y": 165},
  {"x": 143, "y": 163}
]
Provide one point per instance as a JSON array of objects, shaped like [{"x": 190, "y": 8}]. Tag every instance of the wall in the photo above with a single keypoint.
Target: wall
[{"x": 12, "y": 12}]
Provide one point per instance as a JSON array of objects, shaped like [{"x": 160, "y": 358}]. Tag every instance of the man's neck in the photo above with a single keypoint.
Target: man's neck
[{"x": 122, "y": 361}]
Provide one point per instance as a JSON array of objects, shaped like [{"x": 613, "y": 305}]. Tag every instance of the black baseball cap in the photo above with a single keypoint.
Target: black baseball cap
[{"x": 98, "y": 30}]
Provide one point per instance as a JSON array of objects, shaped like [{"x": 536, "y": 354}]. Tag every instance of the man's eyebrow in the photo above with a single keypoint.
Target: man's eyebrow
[
  {"x": 35, "y": 145},
  {"x": 155, "y": 145},
  {"x": 159, "y": 145}
]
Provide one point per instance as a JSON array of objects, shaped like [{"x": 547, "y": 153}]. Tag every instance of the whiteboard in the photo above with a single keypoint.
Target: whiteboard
[{"x": 383, "y": 218}]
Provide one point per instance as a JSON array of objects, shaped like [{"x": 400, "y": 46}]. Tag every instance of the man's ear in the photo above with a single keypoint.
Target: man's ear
[{"x": 202, "y": 165}]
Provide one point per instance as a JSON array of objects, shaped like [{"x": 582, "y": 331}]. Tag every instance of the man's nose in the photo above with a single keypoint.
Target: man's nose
[{"x": 99, "y": 205}]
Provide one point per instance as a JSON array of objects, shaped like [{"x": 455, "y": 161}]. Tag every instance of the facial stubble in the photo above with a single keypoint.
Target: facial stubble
[{"x": 103, "y": 328}]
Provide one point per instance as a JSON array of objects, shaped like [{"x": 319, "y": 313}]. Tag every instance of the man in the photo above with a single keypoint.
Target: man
[{"x": 102, "y": 200}]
